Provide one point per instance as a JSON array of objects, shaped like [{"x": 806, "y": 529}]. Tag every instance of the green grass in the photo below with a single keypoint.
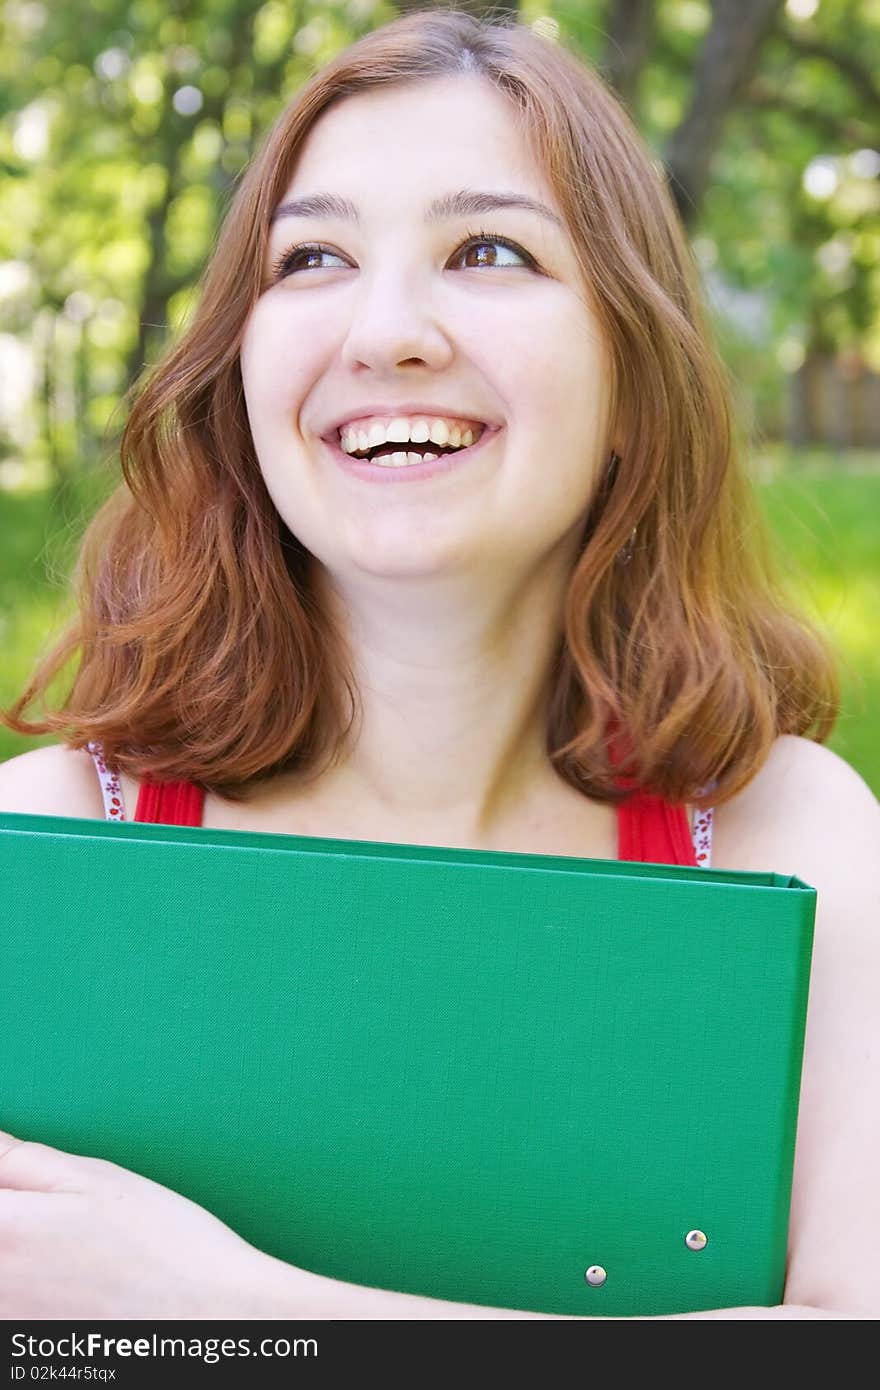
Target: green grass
[
  {"x": 824, "y": 512},
  {"x": 38, "y": 543}
]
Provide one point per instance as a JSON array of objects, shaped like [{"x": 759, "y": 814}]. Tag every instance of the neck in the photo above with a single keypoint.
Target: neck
[{"x": 454, "y": 692}]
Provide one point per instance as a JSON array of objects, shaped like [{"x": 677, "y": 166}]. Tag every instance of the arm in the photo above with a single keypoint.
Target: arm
[{"x": 295, "y": 1293}]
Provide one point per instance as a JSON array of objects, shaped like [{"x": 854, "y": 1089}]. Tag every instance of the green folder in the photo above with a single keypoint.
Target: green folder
[{"x": 469, "y": 1075}]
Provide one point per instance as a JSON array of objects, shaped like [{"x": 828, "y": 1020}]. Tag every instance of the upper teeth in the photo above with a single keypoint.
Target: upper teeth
[{"x": 402, "y": 429}]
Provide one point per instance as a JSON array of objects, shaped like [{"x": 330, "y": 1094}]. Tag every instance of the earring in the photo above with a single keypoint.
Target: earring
[{"x": 625, "y": 554}]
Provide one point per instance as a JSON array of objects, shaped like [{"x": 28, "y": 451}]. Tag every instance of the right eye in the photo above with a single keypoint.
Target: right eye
[{"x": 287, "y": 261}]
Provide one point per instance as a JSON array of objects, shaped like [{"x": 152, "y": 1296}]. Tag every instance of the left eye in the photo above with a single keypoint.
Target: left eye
[
  {"x": 287, "y": 263},
  {"x": 482, "y": 239}
]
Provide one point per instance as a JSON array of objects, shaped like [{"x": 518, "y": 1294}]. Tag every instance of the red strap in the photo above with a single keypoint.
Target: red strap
[
  {"x": 651, "y": 831},
  {"x": 170, "y": 803}
]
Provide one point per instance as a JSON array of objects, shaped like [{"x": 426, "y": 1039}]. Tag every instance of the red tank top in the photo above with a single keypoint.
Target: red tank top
[{"x": 649, "y": 831}]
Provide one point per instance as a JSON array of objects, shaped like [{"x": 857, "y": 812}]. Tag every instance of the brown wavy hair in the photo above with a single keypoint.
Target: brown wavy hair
[{"x": 205, "y": 650}]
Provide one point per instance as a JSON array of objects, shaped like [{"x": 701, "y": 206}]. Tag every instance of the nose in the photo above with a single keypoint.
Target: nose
[{"x": 391, "y": 319}]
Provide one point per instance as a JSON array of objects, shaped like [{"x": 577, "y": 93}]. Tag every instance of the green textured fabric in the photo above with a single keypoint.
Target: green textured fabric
[{"x": 447, "y": 1072}]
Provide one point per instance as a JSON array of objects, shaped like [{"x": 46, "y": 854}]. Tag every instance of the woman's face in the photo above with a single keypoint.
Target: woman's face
[{"x": 399, "y": 310}]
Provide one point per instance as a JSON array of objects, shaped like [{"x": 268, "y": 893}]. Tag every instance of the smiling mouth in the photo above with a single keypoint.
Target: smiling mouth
[
  {"x": 406, "y": 453},
  {"x": 407, "y": 460}
]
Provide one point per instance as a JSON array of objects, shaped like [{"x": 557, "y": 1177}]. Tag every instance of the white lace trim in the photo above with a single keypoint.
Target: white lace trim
[
  {"x": 702, "y": 830},
  {"x": 114, "y": 806},
  {"x": 702, "y": 834}
]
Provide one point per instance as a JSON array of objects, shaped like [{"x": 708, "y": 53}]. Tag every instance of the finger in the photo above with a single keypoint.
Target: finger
[
  {"x": 26, "y": 1213},
  {"x": 30, "y": 1167}
]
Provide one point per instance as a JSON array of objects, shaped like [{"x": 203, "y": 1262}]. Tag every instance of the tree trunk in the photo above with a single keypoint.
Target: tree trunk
[
  {"x": 58, "y": 470},
  {"x": 629, "y": 38},
  {"x": 725, "y": 65},
  {"x": 158, "y": 288},
  {"x": 152, "y": 319}
]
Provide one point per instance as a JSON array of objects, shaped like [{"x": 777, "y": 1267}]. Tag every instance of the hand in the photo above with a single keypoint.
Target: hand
[{"x": 82, "y": 1237}]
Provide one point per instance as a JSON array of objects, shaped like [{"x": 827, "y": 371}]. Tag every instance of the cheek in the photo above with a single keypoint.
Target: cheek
[
  {"x": 270, "y": 393},
  {"x": 273, "y": 372},
  {"x": 549, "y": 359}
]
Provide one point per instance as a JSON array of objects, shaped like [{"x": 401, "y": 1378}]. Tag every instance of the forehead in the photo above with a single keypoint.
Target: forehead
[{"x": 434, "y": 133}]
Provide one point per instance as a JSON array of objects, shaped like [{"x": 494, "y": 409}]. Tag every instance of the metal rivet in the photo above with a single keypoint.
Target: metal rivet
[
  {"x": 595, "y": 1275},
  {"x": 695, "y": 1240}
]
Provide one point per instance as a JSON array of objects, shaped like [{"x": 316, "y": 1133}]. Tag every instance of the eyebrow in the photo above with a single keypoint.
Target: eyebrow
[{"x": 466, "y": 202}]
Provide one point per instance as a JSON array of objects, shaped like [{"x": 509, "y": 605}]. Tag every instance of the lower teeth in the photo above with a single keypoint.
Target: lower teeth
[{"x": 404, "y": 460}]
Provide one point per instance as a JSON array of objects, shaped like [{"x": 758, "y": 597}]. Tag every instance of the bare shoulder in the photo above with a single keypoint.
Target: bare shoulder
[
  {"x": 807, "y": 811},
  {"x": 53, "y": 780}
]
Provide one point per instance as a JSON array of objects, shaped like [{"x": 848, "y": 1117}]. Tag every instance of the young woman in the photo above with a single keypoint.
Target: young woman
[{"x": 434, "y": 530}]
